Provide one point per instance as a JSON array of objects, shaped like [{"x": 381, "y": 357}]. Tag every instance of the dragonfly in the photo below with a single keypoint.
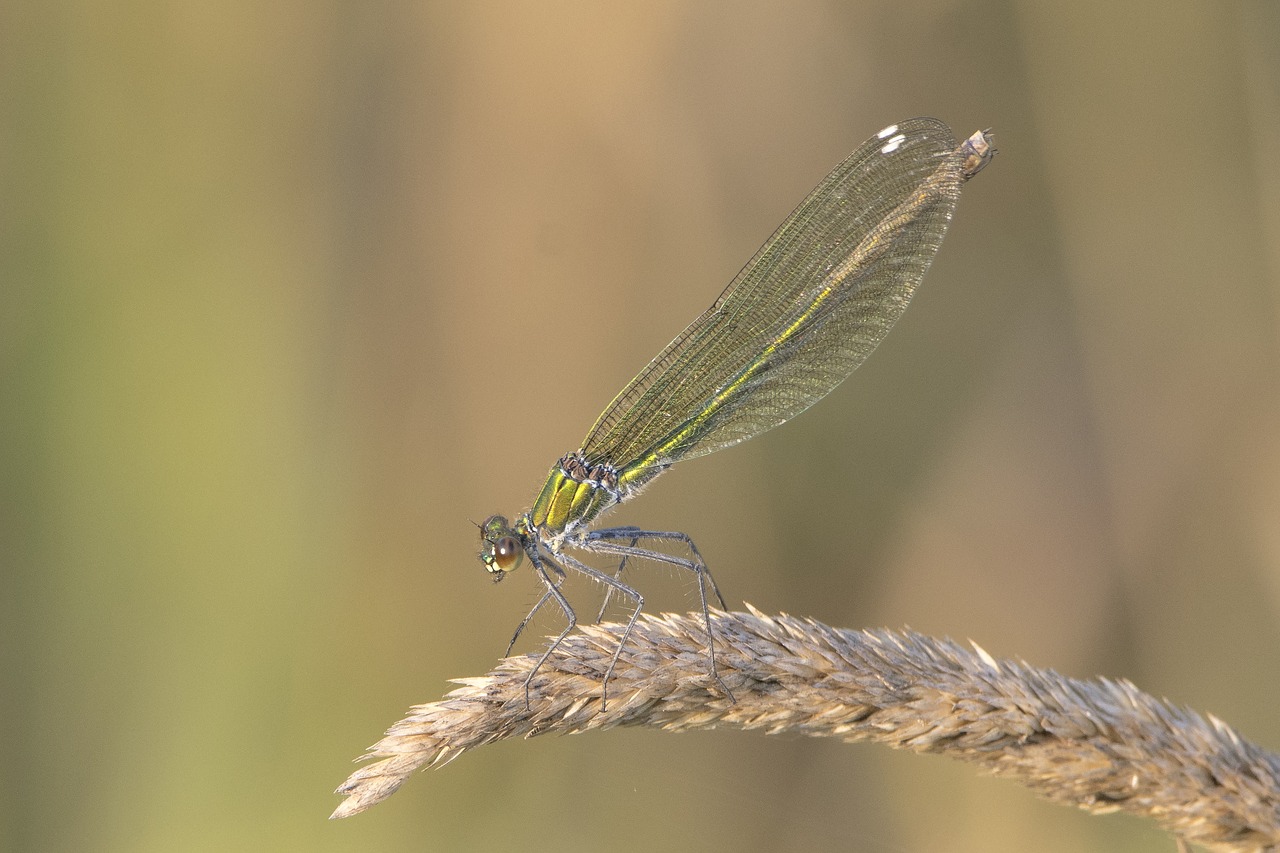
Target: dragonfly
[{"x": 803, "y": 313}]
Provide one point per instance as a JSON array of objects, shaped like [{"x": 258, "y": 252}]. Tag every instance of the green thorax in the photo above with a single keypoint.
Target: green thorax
[{"x": 577, "y": 492}]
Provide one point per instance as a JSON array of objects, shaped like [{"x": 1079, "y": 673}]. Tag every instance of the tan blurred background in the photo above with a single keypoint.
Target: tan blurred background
[{"x": 291, "y": 294}]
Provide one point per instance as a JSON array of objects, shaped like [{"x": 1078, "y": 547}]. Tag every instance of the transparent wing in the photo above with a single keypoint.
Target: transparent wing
[{"x": 811, "y": 305}]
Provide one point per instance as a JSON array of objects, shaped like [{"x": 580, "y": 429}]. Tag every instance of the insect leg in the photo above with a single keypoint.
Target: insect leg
[{"x": 602, "y": 542}]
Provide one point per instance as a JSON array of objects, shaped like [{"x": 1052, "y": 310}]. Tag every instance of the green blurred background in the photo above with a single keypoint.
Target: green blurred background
[{"x": 293, "y": 293}]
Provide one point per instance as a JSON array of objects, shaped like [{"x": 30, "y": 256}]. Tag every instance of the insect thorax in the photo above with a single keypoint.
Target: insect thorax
[{"x": 576, "y": 493}]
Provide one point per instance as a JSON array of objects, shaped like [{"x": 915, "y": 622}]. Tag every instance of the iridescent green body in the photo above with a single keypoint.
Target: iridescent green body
[
  {"x": 574, "y": 495},
  {"x": 803, "y": 313}
]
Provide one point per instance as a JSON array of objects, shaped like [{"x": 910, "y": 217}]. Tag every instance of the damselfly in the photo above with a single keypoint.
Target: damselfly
[{"x": 803, "y": 313}]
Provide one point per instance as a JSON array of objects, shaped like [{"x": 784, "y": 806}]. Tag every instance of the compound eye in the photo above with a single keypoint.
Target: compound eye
[{"x": 507, "y": 553}]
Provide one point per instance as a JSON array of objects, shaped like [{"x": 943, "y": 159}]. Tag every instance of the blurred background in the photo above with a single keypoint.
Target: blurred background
[{"x": 293, "y": 293}]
